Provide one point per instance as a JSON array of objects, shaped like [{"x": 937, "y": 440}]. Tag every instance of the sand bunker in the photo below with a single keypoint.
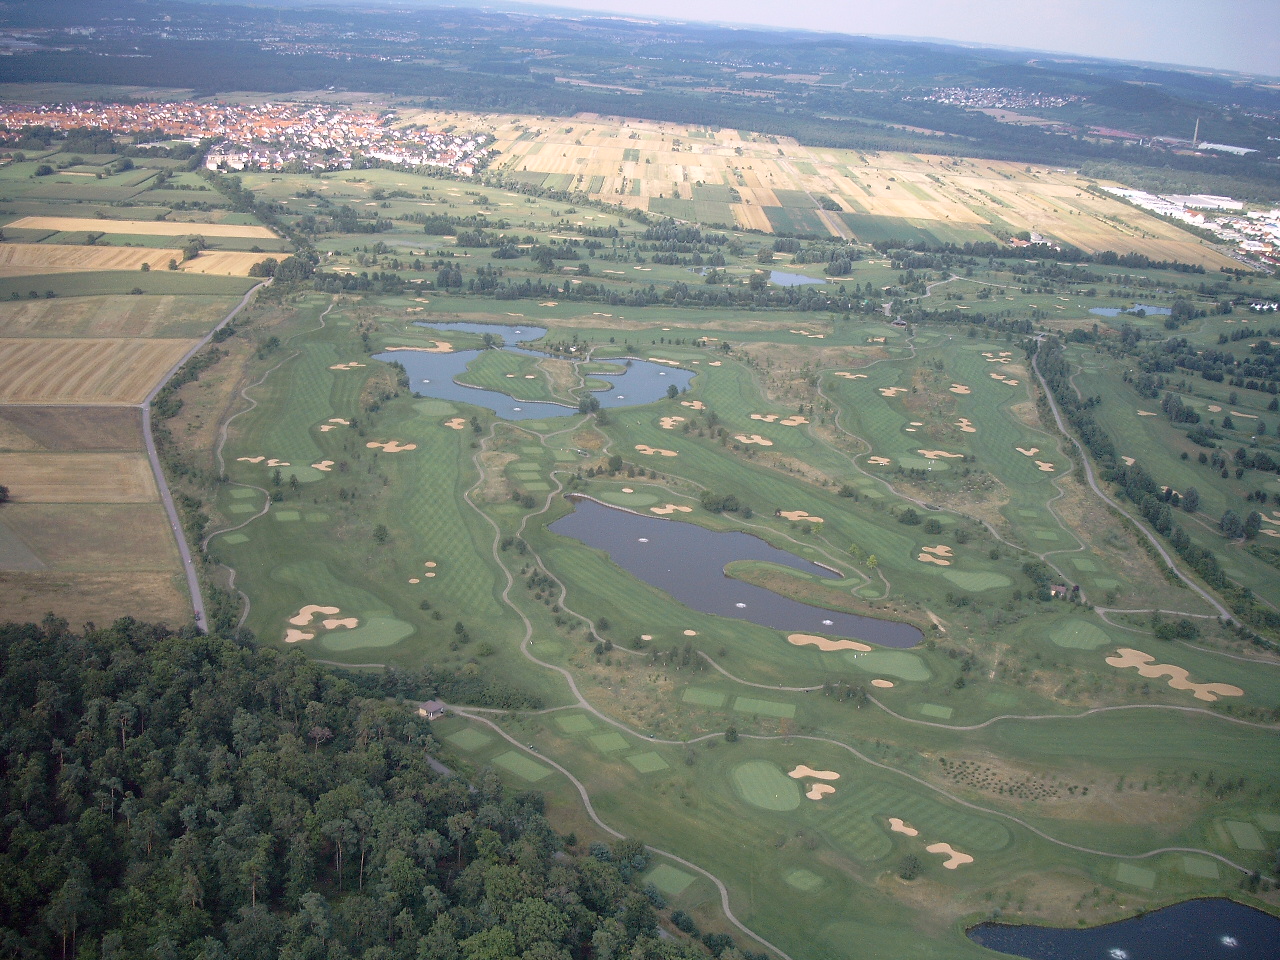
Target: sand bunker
[
  {"x": 766, "y": 417},
  {"x": 875, "y": 339},
  {"x": 1128, "y": 461},
  {"x": 1045, "y": 466},
  {"x": 799, "y": 516},
  {"x": 457, "y": 423},
  {"x": 901, "y": 826},
  {"x": 941, "y": 550},
  {"x": 805, "y": 333},
  {"x": 250, "y": 459},
  {"x": 339, "y": 420},
  {"x": 693, "y": 404},
  {"x": 430, "y": 564},
  {"x": 824, "y": 643},
  {"x": 346, "y": 366},
  {"x": 1214, "y": 408},
  {"x": 966, "y": 425},
  {"x": 938, "y": 454},
  {"x": 669, "y": 423},
  {"x": 805, "y": 771},
  {"x": 349, "y": 623},
  {"x": 627, "y": 490},
  {"x": 669, "y": 363},
  {"x": 440, "y": 346},
  {"x": 293, "y": 636},
  {"x": 391, "y": 446},
  {"x": 851, "y": 376},
  {"x": 325, "y": 465},
  {"x": 879, "y": 460},
  {"x": 960, "y": 388},
  {"x": 303, "y": 617},
  {"x": 819, "y": 790},
  {"x": 955, "y": 857},
  {"x": 891, "y": 391},
  {"x": 326, "y": 427},
  {"x": 649, "y": 451},
  {"x": 277, "y": 463},
  {"x": 754, "y": 438},
  {"x": 1145, "y": 413},
  {"x": 792, "y": 421},
  {"x": 670, "y": 508},
  {"x": 930, "y": 558},
  {"x": 414, "y": 580},
  {"x": 691, "y": 633},
  {"x": 883, "y": 684},
  {"x": 1145, "y": 665},
  {"x": 1028, "y": 451}
]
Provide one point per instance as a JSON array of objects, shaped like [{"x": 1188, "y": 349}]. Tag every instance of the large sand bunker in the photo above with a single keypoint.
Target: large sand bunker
[
  {"x": 391, "y": 446},
  {"x": 669, "y": 363},
  {"x": 803, "y": 770},
  {"x": 793, "y": 421},
  {"x": 670, "y": 508},
  {"x": 441, "y": 346},
  {"x": 879, "y": 461},
  {"x": 891, "y": 391},
  {"x": 882, "y": 683},
  {"x": 349, "y": 623},
  {"x": 1178, "y": 677},
  {"x": 303, "y": 617},
  {"x": 960, "y": 389},
  {"x": 939, "y": 454},
  {"x": 649, "y": 451},
  {"x": 799, "y": 516},
  {"x": 825, "y": 643},
  {"x": 819, "y": 790},
  {"x": 693, "y": 404},
  {"x": 753, "y": 438},
  {"x": 324, "y": 465},
  {"x": 954, "y": 857},
  {"x": 966, "y": 425},
  {"x": 930, "y": 558},
  {"x": 1028, "y": 451},
  {"x": 901, "y": 826},
  {"x": 292, "y": 635},
  {"x": 766, "y": 417},
  {"x": 457, "y": 423},
  {"x": 1045, "y": 466},
  {"x": 669, "y": 423},
  {"x": 346, "y": 366},
  {"x": 851, "y": 376},
  {"x": 941, "y": 550}
]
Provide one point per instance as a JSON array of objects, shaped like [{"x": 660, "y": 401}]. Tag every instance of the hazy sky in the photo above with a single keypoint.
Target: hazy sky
[{"x": 1230, "y": 34}]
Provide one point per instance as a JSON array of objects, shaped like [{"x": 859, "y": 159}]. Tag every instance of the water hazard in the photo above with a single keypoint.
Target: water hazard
[
  {"x": 687, "y": 561},
  {"x": 1212, "y": 929}
]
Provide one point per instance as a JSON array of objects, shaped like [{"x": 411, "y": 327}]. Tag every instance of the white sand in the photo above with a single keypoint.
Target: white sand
[
  {"x": 440, "y": 346},
  {"x": 339, "y": 420},
  {"x": 293, "y": 636},
  {"x": 941, "y": 550},
  {"x": 1148, "y": 413},
  {"x": 691, "y": 633},
  {"x": 960, "y": 388},
  {"x": 1178, "y": 677},
  {"x": 901, "y": 826},
  {"x": 669, "y": 363},
  {"x": 792, "y": 421},
  {"x": 797, "y": 516},
  {"x": 819, "y": 790},
  {"x": 250, "y": 459},
  {"x": 1128, "y": 461},
  {"x": 955, "y": 857},
  {"x": 966, "y": 425},
  {"x": 766, "y": 417},
  {"x": 1045, "y": 466},
  {"x": 883, "y": 684},
  {"x": 670, "y": 508},
  {"x": 824, "y": 643},
  {"x": 802, "y": 771},
  {"x": 851, "y": 376},
  {"x": 669, "y": 423},
  {"x": 346, "y": 366},
  {"x": 277, "y": 463},
  {"x": 891, "y": 391},
  {"x": 392, "y": 446},
  {"x": 349, "y": 623},
  {"x": 457, "y": 423}
]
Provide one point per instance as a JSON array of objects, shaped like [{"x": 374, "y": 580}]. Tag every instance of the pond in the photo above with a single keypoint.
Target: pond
[
  {"x": 1146, "y": 308},
  {"x": 434, "y": 375},
  {"x": 784, "y": 279},
  {"x": 687, "y": 561},
  {"x": 1210, "y": 929}
]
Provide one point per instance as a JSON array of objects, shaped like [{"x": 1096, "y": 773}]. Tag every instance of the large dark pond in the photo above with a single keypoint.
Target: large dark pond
[
  {"x": 1213, "y": 929},
  {"x": 687, "y": 561},
  {"x": 433, "y": 375}
]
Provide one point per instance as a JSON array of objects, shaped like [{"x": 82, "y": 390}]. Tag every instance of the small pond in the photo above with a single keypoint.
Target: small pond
[
  {"x": 1211, "y": 929},
  {"x": 687, "y": 561},
  {"x": 1146, "y": 308},
  {"x": 784, "y": 279}
]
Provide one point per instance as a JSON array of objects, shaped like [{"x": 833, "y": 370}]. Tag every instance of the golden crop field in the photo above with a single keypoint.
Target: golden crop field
[
  {"x": 156, "y": 228},
  {"x": 96, "y": 371},
  {"x": 78, "y": 477},
  {"x": 112, "y": 316},
  {"x": 80, "y": 597},
  {"x": 19, "y": 259}
]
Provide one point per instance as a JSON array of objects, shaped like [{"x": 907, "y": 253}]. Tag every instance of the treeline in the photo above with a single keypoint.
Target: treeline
[
  {"x": 189, "y": 797},
  {"x": 992, "y": 249}
]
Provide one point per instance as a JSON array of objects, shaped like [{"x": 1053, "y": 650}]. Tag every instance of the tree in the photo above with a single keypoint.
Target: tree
[
  {"x": 909, "y": 868},
  {"x": 672, "y": 392},
  {"x": 381, "y": 534},
  {"x": 4, "y": 493},
  {"x": 909, "y": 516},
  {"x": 1190, "y": 500},
  {"x": 731, "y": 734}
]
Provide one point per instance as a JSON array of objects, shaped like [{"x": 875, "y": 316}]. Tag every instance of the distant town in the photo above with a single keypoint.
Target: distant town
[
  {"x": 1254, "y": 234},
  {"x": 268, "y": 136}
]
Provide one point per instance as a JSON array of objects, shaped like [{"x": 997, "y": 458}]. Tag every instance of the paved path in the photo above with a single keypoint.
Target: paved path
[{"x": 188, "y": 565}]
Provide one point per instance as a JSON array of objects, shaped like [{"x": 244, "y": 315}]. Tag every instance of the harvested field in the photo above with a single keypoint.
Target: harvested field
[
  {"x": 78, "y": 477},
  {"x": 96, "y": 537},
  {"x": 70, "y": 429},
  {"x": 17, "y": 259},
  {"x": 151, "y": 228},
  {"x": 104, "y": 371},
  {"x": 113, "y": 316},
  {"x": 224, "y": 263},
  {"x": 93, "y": 597}
]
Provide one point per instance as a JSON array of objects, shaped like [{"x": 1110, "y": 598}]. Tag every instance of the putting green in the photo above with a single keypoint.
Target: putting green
[
  {"x": 1078, "y": 635},
  {"x": 1136, "y": 876},
  {"x": 575, "y": 723},
  {"x": 234, "y": 538},
  {"x": 377, "y": 632},
  {"x": 802, "y": 879},
  {"x": 669, "y": 880},
  {"x": 650, "y": 762},
  {"x": 468, "y": 739},
  {"x": 703, "y": 697},
  {"x": 976, "y": 580},
  {"x": 893, "y": 663},
  {"x": 522, "y": 766},
  {"x": 761, "y": 784},
  {"x": 934, "y": 710},
  {"x": 764, "y": 708}
]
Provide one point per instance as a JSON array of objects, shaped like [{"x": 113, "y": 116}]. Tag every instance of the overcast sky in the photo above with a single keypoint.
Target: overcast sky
[{"x": 1239, "y": 35}]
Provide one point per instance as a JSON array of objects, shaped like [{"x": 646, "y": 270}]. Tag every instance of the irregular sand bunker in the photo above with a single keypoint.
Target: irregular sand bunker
[
  {"x": 1178, "y": 677},
  {"x": 457, "y": 423},
  {"x": 767, "y": 418},
  {"x": 819, "y": 790},
  {"x": 754, "y": 438},
  {"x": 875, "y": 339},
  {"x": 326, "y": 427},
  {"x": 714, "y": 363},
  {"x": 1128, "y": 461},
  {"x": 901, "y": 826},
  {"x": 851, "y": 376},
  {"x": 346, "y": 366},
  {"x": 930, "y": 558},
  {"x": 938, "y": 454},
  {"x": 960, "y": 389},
  {"x": 798, "y": 516},
  {"x": 349, "y": 623},
  {"x": 1148, "y": 413},
  {"x": 803, "y": 770},
  {"x": 669, "y": 423},
  {"x": 966, "y": 425},
  {"x": 955, "y": 857},
  {"x": 250, "y": 459},
  {"x": 277, "y": 463},
  {"x": 882, "y": 683},
  {"x": 1213, "y": 408},
  {"x": 325, "y": 465},
  {"x": 941, "y": 550},
  {"x": 392, "y": 446},
  {"x": 891, "y": 391},
  {"x": 806, "y": 333},
  {"x": 440, "y": 346},
  {"x": 669, "y": 363},
  {"x": 293, "y": 636},
  {"x": 303, "y": 617},
  {"x": 649, "y": 451},
  {"x": 793, "y": 421},
  {"x": 1045, "y": 466},
  {"x": 339, "y": 420},
  {"x": 824, "y": 643},
  {"x": 693, "y": 404},
  {"x": 1028, "y": 451},
  {"x": 879, "y": 460},
  {"x": 670, "y": 508}
]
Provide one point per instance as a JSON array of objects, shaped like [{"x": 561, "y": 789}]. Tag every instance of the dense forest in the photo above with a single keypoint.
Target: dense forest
[{"x": 173, "y": 795}]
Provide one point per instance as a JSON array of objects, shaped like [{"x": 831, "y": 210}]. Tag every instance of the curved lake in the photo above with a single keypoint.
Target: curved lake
[
  {"x": 687, "y": 561},
  {"x": 1212, "y": 929},
  {"x": 434, "y": 375}
]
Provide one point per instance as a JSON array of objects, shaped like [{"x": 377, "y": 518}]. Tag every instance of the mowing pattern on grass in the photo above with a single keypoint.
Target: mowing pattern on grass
[{"x": 761, "y": 784}]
